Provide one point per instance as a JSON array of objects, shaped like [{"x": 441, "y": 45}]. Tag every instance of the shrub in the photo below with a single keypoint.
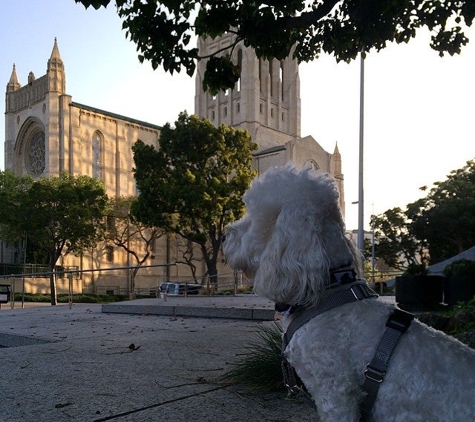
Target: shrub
[
  {"x": 259, "y": 368},
  {"x": 460, "y": 268},
  {"x": 77, "y": 298},
  {"x": 416, "y": 269}
]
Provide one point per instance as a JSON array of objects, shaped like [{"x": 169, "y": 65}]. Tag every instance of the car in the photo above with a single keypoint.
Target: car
[{"x": 176, "y": 289}]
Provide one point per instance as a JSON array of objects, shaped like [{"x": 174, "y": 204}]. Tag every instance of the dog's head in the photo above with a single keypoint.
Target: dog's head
[{"x": 291, "y": 236}]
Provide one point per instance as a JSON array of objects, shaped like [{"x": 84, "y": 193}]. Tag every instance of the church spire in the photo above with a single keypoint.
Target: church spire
[
  {"x": 55, "y": 60},
  {"x": 55, "y": 56},
  {"x": 337, "y": 161},
  {"x": 55, "y": 70},
  {"x": 13, "y": 84}
]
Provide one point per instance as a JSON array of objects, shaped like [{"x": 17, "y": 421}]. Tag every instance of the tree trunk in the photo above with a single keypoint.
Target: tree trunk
[
  {"x": 52, "y": 281},
  {"x": 213, "y": 275},
  {"x": 133, "y": 275}
]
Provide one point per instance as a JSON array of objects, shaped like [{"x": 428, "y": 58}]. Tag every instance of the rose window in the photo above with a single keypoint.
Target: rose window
[{"x": 35, "y": 154}]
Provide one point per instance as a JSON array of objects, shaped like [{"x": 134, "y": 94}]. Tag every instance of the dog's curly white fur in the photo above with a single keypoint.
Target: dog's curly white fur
[{"x": 289, "y": 240}]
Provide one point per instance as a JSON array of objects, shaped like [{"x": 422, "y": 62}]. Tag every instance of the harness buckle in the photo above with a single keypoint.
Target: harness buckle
[
  {"x": 374, "y": 374},
  {"x": 358, "y": 291},
  {"x": 400, "y": 320}
]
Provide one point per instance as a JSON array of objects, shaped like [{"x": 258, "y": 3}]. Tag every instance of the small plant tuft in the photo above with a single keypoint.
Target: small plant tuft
[{"x": 259, "y": 368}]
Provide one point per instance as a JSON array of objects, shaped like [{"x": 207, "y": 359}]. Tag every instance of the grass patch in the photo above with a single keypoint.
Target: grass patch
[{"x": 259, "y": 367}]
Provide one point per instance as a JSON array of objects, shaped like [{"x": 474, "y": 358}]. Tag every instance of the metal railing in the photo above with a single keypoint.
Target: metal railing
[
  {"x": 230, "y": 283},
  {"x": 61, "y": 272}
]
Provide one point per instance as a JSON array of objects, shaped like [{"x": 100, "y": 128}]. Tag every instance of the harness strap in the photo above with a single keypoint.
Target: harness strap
[
  {"x": 338, "y": 296},
  {"x": 396, "y": 325},
  {"x": 353, "y": 292},
  {"x": 295, "y": 387}
]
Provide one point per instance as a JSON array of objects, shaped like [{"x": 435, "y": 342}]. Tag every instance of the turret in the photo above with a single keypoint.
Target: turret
[
  {"x": 337, "y": 162},
  {"x": 13, "y": 84},
  {"x": 55, "y": 71}
]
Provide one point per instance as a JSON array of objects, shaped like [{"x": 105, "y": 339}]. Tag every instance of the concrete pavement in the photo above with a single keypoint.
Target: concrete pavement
[
  {"x": 136, "y": 361},
  {"x": 83, "y": 364}
]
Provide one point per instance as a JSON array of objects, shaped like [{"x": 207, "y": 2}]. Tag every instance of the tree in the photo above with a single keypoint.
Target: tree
[
  {"x": 13, "y": 189},
  {"x": 438, "y": 226},
  {"x": 127, "y": 233},
  {"x": 163, "y": 30},
  {"x": 446, "y": 220},
  {"x": 60, "y": 215},
  {"x": 193, "y": 184},
  {"x": 394, "y": 241}
]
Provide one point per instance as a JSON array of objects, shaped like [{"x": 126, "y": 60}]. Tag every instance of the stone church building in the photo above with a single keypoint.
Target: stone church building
[{"x": 47, "y": 133}]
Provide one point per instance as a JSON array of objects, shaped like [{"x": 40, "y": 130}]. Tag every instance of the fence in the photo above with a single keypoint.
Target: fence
[
  {"x": 68, "y": 281},
  {"x": 378, "y": 276},
  {"x": 32, "y": 270},
  {"x": 230, "y": 283}
]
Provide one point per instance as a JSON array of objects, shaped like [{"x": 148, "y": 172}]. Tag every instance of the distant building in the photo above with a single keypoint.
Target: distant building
[{"x": 47, "y": 133}]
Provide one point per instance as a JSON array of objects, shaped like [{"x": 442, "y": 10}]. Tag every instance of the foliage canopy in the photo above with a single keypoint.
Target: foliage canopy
[
  {"x": 60, "y": 215},
  {"x": 435, "y": 227},
  {"x": 193, "y": 184},
  {"x": 165, "y": 30}
]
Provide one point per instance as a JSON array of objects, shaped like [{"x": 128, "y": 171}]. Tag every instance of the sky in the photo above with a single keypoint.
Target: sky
[{"x": 419, "y": 114}]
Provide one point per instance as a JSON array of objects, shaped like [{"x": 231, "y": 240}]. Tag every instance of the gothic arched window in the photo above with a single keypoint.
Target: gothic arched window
[
  {"x": 312, "y": 163},
  {"x": 31, "y": 146},
  {"x": 239, "y": 63},
  {"x": 271, "y": 77},
  {"x": 260, "y": 74},
  {"x": 281, "y": 77},
  {"x": 35, "y": 151},
  {"x": 97, "y": 149}
]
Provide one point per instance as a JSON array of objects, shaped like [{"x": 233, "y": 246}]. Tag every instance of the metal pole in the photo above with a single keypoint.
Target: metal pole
[
  {"x": 373, "y": 261},
  {"x": 70, "y": 291},
  {"x": 24, "y": 271},
  {"x": 129, "y": 273},
  {"x": 361, "y": 149}
]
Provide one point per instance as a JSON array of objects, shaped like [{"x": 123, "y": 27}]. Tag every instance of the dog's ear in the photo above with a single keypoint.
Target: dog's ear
[{"x": 294, "y": 267}]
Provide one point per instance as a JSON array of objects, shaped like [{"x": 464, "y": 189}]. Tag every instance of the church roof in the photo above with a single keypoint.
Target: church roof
[
  {"x": 115, "y": 116},
  {"x": 270, "y": 150}
]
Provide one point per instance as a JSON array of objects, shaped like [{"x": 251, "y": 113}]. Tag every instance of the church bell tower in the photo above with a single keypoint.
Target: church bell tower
[
  {"x": 33, "y": 132},
  {"x": 265, "y": 101}
]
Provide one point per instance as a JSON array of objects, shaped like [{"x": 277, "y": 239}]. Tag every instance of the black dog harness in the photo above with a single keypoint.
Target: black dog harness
[{"x": 345, "y": 289}]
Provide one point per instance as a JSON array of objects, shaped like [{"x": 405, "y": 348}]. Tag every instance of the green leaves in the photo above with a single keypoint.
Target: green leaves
[
  {"x": 438, "y": 226},
  {"x": 61, "y": 214},
  {"x": 163, "y": 30},
  {"x": 193, "y": 184},
  {"x": 220, "y": 73},
  {"x": 13, "y": 214},
  {"x": 97, "y": 4}
]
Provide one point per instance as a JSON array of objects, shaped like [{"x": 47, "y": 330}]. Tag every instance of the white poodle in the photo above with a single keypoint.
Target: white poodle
[{"x": 292, "y": 243}]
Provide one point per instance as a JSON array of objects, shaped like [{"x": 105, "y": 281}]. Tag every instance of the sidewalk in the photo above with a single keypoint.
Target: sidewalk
[
  {"x": 138, "y": 361},
  {"x": 83, "y": 364}
]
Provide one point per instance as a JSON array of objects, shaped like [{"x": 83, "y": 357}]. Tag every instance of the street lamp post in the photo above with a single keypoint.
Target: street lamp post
[{"x": 361, "y": 151}]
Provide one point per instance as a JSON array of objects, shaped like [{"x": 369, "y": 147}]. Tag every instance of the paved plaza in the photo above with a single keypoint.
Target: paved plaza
[{"x": 83, "y": 364}]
